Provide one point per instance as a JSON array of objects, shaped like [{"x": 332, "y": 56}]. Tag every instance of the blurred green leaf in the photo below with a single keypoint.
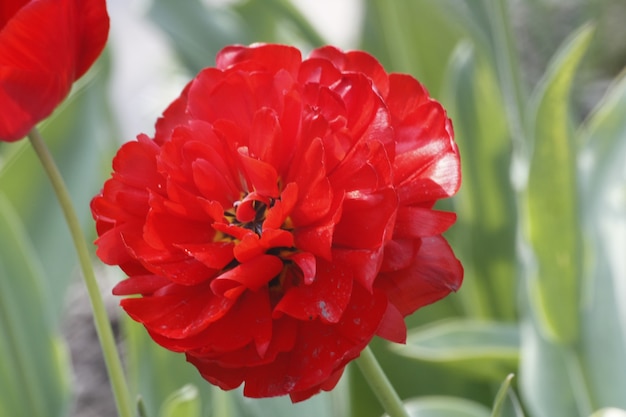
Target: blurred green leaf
[
  {"x": 602, "y": 164},
  {"x": 154, "y": 372},
  {"x": 609, "y": 412},
  {"x": 34, "y": 379},
  {"x": 506, "y": 403},
  {"x": 409, "y": 36},
  {"x": 273, "y": 16},
  {"x": 545, "y": 381},
  {"x": 197, "y": 30},
  {"x": 484, "y": 349},
  {"x": 184, "y": 402},
  {"x": 444, "y": 407},
  {"x": 485, "y": 234},
  {"x": 550, "y": 201}
]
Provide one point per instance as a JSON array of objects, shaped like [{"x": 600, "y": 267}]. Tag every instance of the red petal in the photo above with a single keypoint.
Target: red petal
[
  {"x": 140, "y": 284},
  {"x": 215, "y": 255},
  {"x": 406, "y": 95},
  {"x": 356, "y": 61},
  {"x": 309, "y": 173},
  {"x": 180, "y": 312},
  {"x": 367, "y": 219},
  {"x": 322, "y": 349},
  {"x": 277, "y": 215},
  {"x": 260, "y": 57},
  {"x": 326, "y": 298},
  {"x": 392, "y": 327},
  {"x": 399, "y": 254},
  {"x": 435, "y": 273},
  {"x": 250, "y": 275},
  {"x": 417, "y": 221},
  {"x": 266, "y": 138},
  {"x": 307, "y": 264},
  {"x": 261, "y": 176},
  {"x": 248, "y": 321},
  {"x": 319, "y": 71}
]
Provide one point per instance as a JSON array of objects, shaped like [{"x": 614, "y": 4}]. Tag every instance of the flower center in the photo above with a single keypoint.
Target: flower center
[{"x": 251, "y": 217}]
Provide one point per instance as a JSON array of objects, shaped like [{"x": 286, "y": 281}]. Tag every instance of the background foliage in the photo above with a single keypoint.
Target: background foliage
[{"x": 537, "y": 95}]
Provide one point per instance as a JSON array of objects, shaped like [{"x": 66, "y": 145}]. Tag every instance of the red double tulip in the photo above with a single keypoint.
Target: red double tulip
[
  {"x": 45, "y": 45},
  {"x": 282, "y": 216}
]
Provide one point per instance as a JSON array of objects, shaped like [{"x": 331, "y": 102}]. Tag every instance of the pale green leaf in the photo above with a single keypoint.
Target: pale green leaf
[
  {"x": 506, "y": 403},
  {"x": 609, "y": 412},
  {"x": 545, "y": 381},
  {"x": 602, "y": 163},
  {"x": 34, "y": 363},
  {"x": 198, "y": 30},
  {"x": 154, "y": 372},
  {"x": 440, "y": 406},
  {"x": 183, "y": 402},
  {"x": 550, "y": 201},
  {"x": 484, "y": 236},
  {"x": 483, "y": 349}
]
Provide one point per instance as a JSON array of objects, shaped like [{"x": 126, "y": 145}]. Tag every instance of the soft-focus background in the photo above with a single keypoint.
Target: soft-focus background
[{"x": 537, "y": 94}]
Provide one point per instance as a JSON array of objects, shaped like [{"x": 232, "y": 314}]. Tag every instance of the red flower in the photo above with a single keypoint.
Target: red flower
[
  {"x": 282, "y": 216},
  {"x": 45, "y": 45}
]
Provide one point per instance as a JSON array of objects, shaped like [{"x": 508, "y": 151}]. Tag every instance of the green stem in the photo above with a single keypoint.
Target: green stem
[
  {"x": 222, "y": 405},
  {"x": 380, "y": 384},
  {"x": 508, "y": 68},
  {"x": 101, "y": 320}
]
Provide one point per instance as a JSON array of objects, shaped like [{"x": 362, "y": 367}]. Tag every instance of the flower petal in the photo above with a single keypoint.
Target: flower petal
[
  {"x": 326, "y": 298},
  {"x": 434, "y": 273}
]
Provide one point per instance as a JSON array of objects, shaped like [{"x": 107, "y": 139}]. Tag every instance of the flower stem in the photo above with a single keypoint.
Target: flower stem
[
  {"x": 380, "y": 384},
  {"x": 101, "y": 320}
]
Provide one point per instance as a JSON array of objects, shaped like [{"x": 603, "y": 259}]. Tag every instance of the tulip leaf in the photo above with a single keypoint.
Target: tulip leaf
[
  {"x": 603, "y": 158},
  {"x": 484, "y": 349},
  {"x": 198, "y": 30},
  {"x": 399, "y": 34},
  {"x": 443, "y": 406},
  {"x": 545, "y": 382},
  {"x": 33, "y": 359},
  {"x": 320, "y": 405},
  {"x": 609, "y": 412},
  {"x": 183, "y": 402},
  {"x": 550, "y": 201},
  {"x": 506, "y": 403},
  {"x": 149, "y": 363},
  {"x": 484, "y": 235}
]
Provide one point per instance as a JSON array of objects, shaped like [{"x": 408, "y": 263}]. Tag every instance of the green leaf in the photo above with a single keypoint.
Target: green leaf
[
  {"x": 198, "y": 31},
  {"x": 183, "y": 402},
  {"x": 440, "y": 406},
  {"x": 483, "y": 349},
  {"x": 34, "y": 363},
  {"x": 484, "y": 236},
  {"x": 506, "y": 402},
  {"x": 609, "y": 412},
  {"x": 400, "y": 34},
  {"x": 603, "y": 158},
  {"x": 545, "y": 382},
  {"x": 154, "y": 372},
  {"x": 320, "y": 405},
  {"x": 550, "y": 201}
]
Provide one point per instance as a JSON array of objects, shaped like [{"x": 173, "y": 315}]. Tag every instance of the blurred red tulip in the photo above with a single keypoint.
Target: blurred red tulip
[{"x": 45, "y": 45}]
